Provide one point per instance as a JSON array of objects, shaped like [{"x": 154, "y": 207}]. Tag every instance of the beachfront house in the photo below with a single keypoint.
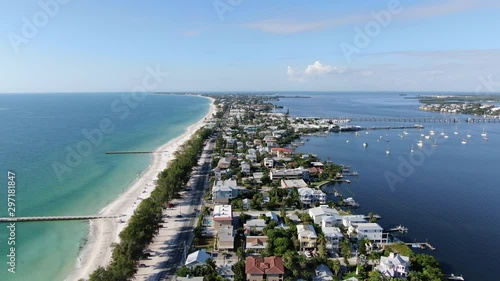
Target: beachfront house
[
  {"x": 197, "y": 258},
  {"x": 300, "y": 183},
  {"x": 394, "y": 265},
  {"x": 370, "y": 231},
  {"x": 288, "y": 174},
  {"x": 318, "y": 213},
  {"x": 264, "y": 268},
  {"x": 224, "y": 190},
  {"x": 307, "y": 237},
  {"x": 323, "y": 273}
]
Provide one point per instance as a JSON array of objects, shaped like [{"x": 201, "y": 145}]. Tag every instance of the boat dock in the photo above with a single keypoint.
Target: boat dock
[
  {"x": 55, "y": 218},
  {"x": 398, "y": 228},
  {"x": 423, "y": 245}
]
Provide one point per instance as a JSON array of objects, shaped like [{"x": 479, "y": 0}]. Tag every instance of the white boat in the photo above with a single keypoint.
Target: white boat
[
  {"x": 347, "y": 141},
  {"x": 356, "y": 134},
  {"x": 435, "y": 143},
  {"x": 405, "y": 132},
  {"x": 411, "y": 150},
  {"x": 464, "y": 141},
  {"x": 387, "y": 151},
  {"x": 427, "y": 137},
  {"x": 484, "y": 134},
  {"x": 422, "y": 135},
  {"x": 485, "y": 138},
  {"x": 456, "y": 130},
  {"x": 432, "y": 132},
  {"x": 443, "y": 133},
  {"x": 469, "y": 135},
  {"x": 420, "y": 143},
  {"x": 455, "y": 277},
  {"x": 365, "y": 144}
]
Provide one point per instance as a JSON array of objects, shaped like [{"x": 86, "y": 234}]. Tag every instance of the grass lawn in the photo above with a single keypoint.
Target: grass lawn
[
  {"x": 205, "y": 242},
  {"x": 399, "y": 248}
]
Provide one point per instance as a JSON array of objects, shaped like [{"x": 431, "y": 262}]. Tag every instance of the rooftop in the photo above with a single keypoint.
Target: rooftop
[
  {"x": 264, "y": 265},
  {"x": 223, "y": 212}
]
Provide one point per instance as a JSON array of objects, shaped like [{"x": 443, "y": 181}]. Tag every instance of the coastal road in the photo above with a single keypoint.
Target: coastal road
[{"x": 168, "y": 249}]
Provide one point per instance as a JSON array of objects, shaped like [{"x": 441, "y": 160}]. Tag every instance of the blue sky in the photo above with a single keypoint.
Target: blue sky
[{"x": 243, "y": 45}]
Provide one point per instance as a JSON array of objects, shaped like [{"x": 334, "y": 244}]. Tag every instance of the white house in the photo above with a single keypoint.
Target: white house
[
  {"x": 333, "y": 237},
  {"x": 245, "y": 168},
  {"x": 224, "y": 191},
  {"x": 370, "y": 231},
  {"x": 307, "y": 237},
  {"x": 321, "y": 211},
  {"x": 197, "y": 258},
  {"x": 323, "y": 273},
  {"x": 309, "y": 196},
  {"x": 394, "y": 265},
  {"x": 300, "y": 183},
  {"x": 257, "y": 224}
]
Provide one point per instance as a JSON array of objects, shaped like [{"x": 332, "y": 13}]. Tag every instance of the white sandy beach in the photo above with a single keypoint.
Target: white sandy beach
[{"x": 102, "y": 233}]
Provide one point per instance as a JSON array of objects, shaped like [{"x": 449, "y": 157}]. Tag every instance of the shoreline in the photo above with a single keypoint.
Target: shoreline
[{"x": 97, "y": 251}]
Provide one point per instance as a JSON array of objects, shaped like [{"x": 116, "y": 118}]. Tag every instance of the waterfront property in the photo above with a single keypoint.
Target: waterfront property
[
  {"x": 333, "y": 237},
  {"x": 224, "y": 190},
  {"x": 223, "y": 216},
  {"x": 394, "y": 266},
  {"x": 309, "y": 196},
  {"x": 320, "y": 212},
  {"x": 197, "y": 258},
  {"x": 300, "y": 183},
  {"x": 370, "y": 231}
]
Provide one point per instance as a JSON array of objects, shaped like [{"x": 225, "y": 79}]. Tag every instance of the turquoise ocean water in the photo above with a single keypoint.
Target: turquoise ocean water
[{"x": 40, "y": 131}]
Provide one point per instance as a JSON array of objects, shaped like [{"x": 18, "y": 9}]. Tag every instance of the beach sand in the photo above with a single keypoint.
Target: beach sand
[{"x": 103, "y": 232}]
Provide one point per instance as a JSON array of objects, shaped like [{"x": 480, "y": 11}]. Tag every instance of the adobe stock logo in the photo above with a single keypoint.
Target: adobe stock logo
[{"x": 31, "y": 26}]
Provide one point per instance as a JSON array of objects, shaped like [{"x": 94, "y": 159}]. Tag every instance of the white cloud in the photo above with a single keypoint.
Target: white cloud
[{"x": 313, "y": 70}]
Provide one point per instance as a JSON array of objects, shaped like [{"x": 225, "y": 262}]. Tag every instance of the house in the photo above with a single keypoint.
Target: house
[
  {"x": 333, "y": 237},
  {"x": 251, "y": 157},
  {"x": 309, "y": 196},
  {"x": 317, "y": 164},
  {"x": 224, "y": 163},
  {"x": 257, "y": 176},
  {"x": 257, "y": 142},
  {"x": 197, "y": 258},
  {"x": 370, "y": 231},
  {"x": 255, "y": 224},
  {"x": 333, "y": 220},
  {"x": 223, "y": 216},
  {"x": 256, "y": 243},
  {"x": 225, "y": 238},
  {"x": 300, "y": 183},
  {"x": 245, "y": 168},
  {"x": 293, "y": 217},
  {"x": 281, "y": 152},
  {"x": 307, "y": 237},
  {"x": 246, "y": 203},
  {"x": 272, "y": 216},
  {"x": 226, "y": 271},
  {"x": 321, "y": 211},
  {"x": 394, "y": 265},
  {"x": 298, "y": 173},
  {"x": 264, "y": 268},
  {"x": 268, "y": 162},
  {"x": 224, "y": 190},
  {"x": 322, "y": 273},
  {"x": 353, "y": 220}
]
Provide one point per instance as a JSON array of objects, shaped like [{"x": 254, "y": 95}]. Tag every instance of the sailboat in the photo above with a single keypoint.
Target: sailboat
[
  {"x": 387, "y": 151},
  {"x": 435, "y": 143},
  {"x": 431, "y": 132},
  {"x": 464, "y": 141},
  {"x": 484, "y": 134},
  {"x": 469, "y": 135},
  {"x": 411, "y": 150},
  {"x": 456, "y": 130},
  {"x": 420, "y": 143}
]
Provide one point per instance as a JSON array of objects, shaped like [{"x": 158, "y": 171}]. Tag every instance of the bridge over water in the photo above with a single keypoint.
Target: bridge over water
[{"x": 412, "y": 119}]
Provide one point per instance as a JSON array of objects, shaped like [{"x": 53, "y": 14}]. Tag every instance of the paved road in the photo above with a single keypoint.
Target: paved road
[{"x": 169, "y": 246}]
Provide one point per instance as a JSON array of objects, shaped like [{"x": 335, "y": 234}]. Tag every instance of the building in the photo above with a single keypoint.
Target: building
[
  {"x": 323, "y": 273},
  {"x": 225, "y": 238},
  {"x": 224, "y": 191},
  {"x": 394, "y": 265},
  {"x": 307, "y": 237},
  {"x": 370, "y": 231},
  {"x": 256, "y": 243},
  {"x": 281, "y": 152},
  {"x": 226, "y": 271},
  {"x": 300, "y": 183},
  {"x": 197, "y": 258},
  {"x": 309, "y": 196},
  {"x": 353, "y": 220},
  {"x": 288, "y": 174},
  {"x": 321, "y": 211},
  {"x": 224, "y": 163},
  {"x": 255, "y": 224},
  {"x": 333, "y": 237},
  {"x": 264, "y": 268},
  {"x": 245, "y": 168},
  {"x": 273, "y": 216},
  {"x": 223, "y": 216},
  {"x": 268, "y": 162}
]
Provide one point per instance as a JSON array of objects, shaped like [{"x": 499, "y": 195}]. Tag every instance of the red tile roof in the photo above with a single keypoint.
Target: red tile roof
[
  {"x": 282, "y": 149},
  {"x": 264, "y": 265}
]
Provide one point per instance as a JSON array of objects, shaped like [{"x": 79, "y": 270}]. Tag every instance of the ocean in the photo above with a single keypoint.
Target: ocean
[
  {"x": 446, "y": 194},
  {"x": 56, "y": 144}
]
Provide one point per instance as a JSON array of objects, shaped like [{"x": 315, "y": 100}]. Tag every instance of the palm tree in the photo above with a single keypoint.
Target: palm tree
[{"x": 336, "y": 267}]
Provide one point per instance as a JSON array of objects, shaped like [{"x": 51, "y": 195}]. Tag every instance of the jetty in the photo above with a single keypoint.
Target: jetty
[
  {"x": 54, "y": 218},
  {"x": 398, "y": 228},
  {"x": 422, "y": 245}
]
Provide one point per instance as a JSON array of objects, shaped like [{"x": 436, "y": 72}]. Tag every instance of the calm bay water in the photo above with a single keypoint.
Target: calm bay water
[
  {"x": 39, "y": 130},
  {"x": 449, "y": 196}
]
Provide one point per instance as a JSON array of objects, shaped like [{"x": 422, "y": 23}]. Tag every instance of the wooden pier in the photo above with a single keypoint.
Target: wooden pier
[
  {"x": 412, "y": 119},
  {"x": 129, "y": 152},
  {"x": 55, "y": 218},
  {"x": 422, "y": 244}
]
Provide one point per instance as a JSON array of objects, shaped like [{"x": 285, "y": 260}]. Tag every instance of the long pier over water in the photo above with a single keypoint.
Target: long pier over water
[
  {"x": 55, "y": 218},
  {"x": 412, "y": 119}
]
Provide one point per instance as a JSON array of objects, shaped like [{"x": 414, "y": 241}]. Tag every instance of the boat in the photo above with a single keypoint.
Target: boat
[
  {"x": 485, "y": 138},
  {"x": 455, "y": 277},
  {"x": 350, "y": 202},
  {"x": 347, "y": 141},
  {"x": 427, "y": 137},
  {"x": 405, "y": 132},
  {"x": 484, "y": 134},
  {"x": 456, "y": 131},
  {"x": 420, "y": 143},
  {"x": 422, "y": 135},
  {"x": 356, "y": 134},
  {"x": 365, "y": 144},
  {"x": 464, "y": 141},
  {"x": 387, "y": 151},
  {"x": 348, "y": 181},
  {"x": 435, "y": 143},
  {"x": 469, "y": 135},
  {"x": 432, "y": 132},
  {"x": 446, "y": 136},
  {"x": 411, "y": 150}
]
